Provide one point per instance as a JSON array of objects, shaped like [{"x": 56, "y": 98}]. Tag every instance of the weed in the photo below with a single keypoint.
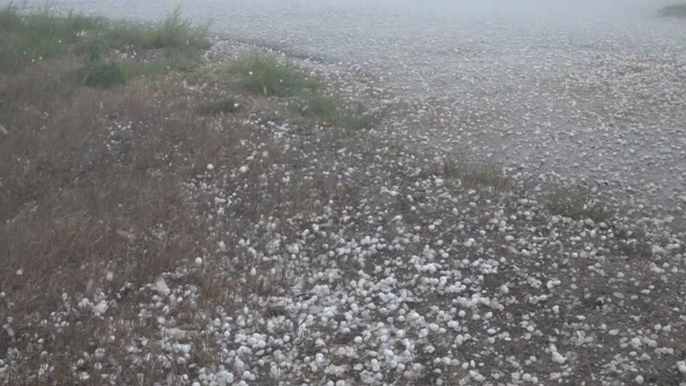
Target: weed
[
  {"x": 25, "y": 38},
  {"x": 674, "y": 10},
  {"x": 95, "y": 73},
  {"x": 633, "y": 244},
  {"x": 174, "y": 33},
  {"x": 39, "y": 36},
  {"x": 577, "y": 203},
  {"x": 103, "y": 75},
  {"x": 326, "y": 110},
  {"x": 218, "y": 107},
  {"x": 265, "y": 75},
  {"x": 487, "y": 173}
]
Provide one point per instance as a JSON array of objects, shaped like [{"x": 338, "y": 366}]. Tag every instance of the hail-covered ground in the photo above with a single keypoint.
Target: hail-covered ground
[
  {"x": 378, "y": 269},
  {"x": 587, "y": 90},
  {"x": 395, "y": 274}
]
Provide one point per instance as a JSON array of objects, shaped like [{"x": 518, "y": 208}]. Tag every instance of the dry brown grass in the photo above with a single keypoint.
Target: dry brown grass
[
  {"x": 99, "y": 195},
  {"x": 81, "y": 197},
  {"x": 98, "y": 181}
]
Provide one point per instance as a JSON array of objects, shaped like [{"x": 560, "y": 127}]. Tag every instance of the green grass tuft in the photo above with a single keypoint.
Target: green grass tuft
[
  {"x": 174, "y": 33},
  {"x": 576, "y": 203},
  {"x": 39, "y": 36},
  {"x": 219, "y": 107},
  {"x": 262, "y": 74},
  {"x": 326, "y": 110},
  {"x": 674, "y": 10},
  {"x": 27, "y": 37},
  {"x": 102, "y": 75},
  {"x": 488, "y": 173}
]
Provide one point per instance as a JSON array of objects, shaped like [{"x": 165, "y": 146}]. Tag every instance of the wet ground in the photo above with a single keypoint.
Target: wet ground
[{"x": 591, "y": 90}]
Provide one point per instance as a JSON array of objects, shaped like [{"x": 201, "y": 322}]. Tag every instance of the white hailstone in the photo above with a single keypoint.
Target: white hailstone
[
  {"x": 476, "y": 376},
  {"x": 469, "y": 243},
  {"x": 100, "y": 308},
  {"x": 639, "y": 379},
  {"x": 682, "y": 366},
  {"x": 243, "y": 169},
  {"x": 224, "y": 377},
  {"x": 161, "y": 286},
  {"x": 196, "y": 384},
  {"x": 275, "y": 371},
  {"x": 20, "y": 272},
  {"x": 210, "y": 167},
  {"x": 558, "y": 358},
  {"x": 198, "y": 261},
  {"x": 109, "y": 276},
  {"x": 238, "y": 364},
  {"x": 222, "y": 246},
  {"x": 253, "y": 271}
]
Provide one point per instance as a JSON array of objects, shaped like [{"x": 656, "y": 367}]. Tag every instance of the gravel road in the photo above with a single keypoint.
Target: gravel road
[{"x": 585, "y": 89}]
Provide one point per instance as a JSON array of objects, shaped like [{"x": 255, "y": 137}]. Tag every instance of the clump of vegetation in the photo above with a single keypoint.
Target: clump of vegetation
[
  {"x": 219, "y": 107},
  {"x": 30, "y": 37},
  {"x": 103, "y": 75},
  {"x": 674, "y": 10},
  {"x": 487, "y": 173},
  {"x": 577, "y": 203},
  {"x": 174, "y": 32},
  {"x": 328, "y": 111},
  {"x": 97, "y": 74},
  {"x": 263, "y": 74},
  {"x": 39, "y": 36}
]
